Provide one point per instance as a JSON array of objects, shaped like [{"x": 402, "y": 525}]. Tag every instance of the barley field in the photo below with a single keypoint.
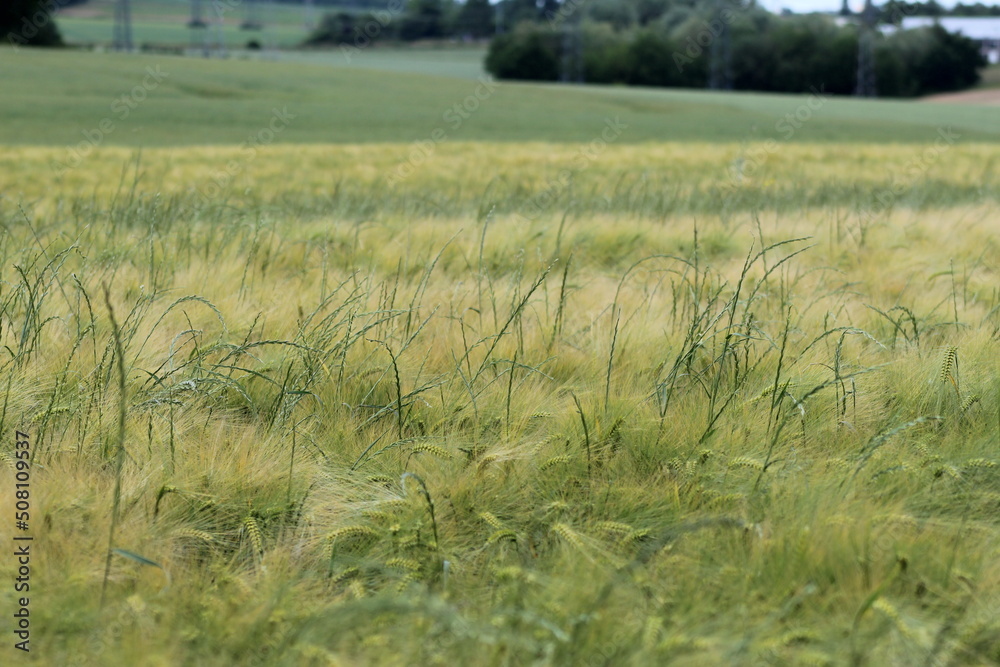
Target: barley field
[
  {"x": 627, "y": 421},
  {"x": 505, "y": 402}
]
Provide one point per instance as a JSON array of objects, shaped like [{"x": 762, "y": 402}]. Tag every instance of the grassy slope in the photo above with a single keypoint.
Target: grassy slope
[
  {"x": 457, "y": 61},
  {"x": 222, "y": 102}
]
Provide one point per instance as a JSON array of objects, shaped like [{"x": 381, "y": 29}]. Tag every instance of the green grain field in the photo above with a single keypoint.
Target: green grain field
[{"x": 317, "y": 370}]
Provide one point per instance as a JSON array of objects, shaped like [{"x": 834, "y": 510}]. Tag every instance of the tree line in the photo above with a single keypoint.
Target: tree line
[
  {"x": 749, "y": 49},
  {"x": 730, "y": 44}
]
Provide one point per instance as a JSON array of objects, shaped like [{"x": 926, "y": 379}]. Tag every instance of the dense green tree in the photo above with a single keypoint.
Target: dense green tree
[
  {"x": 475, "y": 18},
  {"x": 551, "y": 8},
  {"x": 423, "y": 19},
  {"x": 619, "y": 14},
  {"x": 652, "y": 62},
  {"x": 769, "y": 53},
  {"x": 29, "y": 23},
  {"x": 334, "y": 29},
  {"x": 605, "y": 60},
  {"x": 529, "y": 52},
  {"x": 519, "y": 11},
  {"x": 675, "y": 17},
  {"x": 358, "y": 30},
  {"x": 977, "y": 9},
  {"x": 649, "y": 11},
  {"x": 949, "y": 62}
]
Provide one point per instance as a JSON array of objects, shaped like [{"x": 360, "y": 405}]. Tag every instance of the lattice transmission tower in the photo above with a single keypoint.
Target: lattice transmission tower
[
  {"x": 251, "y": 16},
  {"x": 571, "y": 68},
  {"x": 720, "y": 72},
  {"x": 310, "y": 14},
  {"x": 202, "y": 36},
  {"x": 122, "y": 35},
  {"x": 867, "y": 84}
]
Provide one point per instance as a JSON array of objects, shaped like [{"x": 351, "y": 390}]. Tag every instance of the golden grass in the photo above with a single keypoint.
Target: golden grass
[
  {"x": 450, "y": 438},
  {"x": 318, "y": 170}
]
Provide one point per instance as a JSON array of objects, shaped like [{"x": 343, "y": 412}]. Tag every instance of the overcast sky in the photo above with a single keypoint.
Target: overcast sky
[
  {"x": 804, "y": 5},
  {"x": 833, "y": 5}
]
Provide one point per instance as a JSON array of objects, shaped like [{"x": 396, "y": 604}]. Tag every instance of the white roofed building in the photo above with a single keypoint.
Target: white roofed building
[{"x": 983, "y": 30}]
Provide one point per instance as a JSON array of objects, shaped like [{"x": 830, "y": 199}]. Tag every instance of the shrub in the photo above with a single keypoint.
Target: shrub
[
  {"x": 531, "y": 52},
  {"x": 28, "y": 23}
]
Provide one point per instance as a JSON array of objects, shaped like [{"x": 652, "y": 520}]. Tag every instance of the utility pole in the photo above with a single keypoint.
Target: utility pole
[
  {"x": 720, "y": 75},
  {"x": 201, "y": 30},
  {"x": 251, "y": 15},
  {"x": 220, "y": 40},
  {"x": 571, "y": 68},
  {"x": 196, "y": 17},
  {"x": 867, "y": 84},
  {"x": 122, "y": 36},
  {"x": 310, "y": 14},
  {"x": 198, "y": 27}
]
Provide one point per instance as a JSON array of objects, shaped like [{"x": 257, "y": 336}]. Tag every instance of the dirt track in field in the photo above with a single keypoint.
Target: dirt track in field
[{"x": 990, "y": 96}]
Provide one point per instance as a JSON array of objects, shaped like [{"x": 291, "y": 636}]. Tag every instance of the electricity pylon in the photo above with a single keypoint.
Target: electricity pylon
[
  {"x": 122, "y": 36},
  {"x": 867, "y": 83},
  {"x": 720, "y": 74}
]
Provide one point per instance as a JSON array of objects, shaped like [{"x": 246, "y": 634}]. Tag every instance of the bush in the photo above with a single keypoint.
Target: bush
[
  {"x": 606, "y": 60},
  {"x": 952, "y": 62},
  {"x": 531, "y": 52},
  {"x": 655, "y": 60},
  {"x": 475, "y": 19},
  {"x": 28, "y": 23},
  {"x": 424, "y": 19},
  {"x": 358, "y": 30},
  {"x": 796, "y": 55}
]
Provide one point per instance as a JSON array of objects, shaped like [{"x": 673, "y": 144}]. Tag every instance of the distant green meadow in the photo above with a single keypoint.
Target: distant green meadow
[
  {"x": 214, "y": 101},
  {"x": 159, "y": 33}
]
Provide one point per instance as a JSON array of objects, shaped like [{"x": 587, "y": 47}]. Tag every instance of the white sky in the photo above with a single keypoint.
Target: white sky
[{"x": 834, "y": 5}]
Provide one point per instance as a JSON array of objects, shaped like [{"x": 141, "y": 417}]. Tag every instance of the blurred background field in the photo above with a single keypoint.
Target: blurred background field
[{"x": 54, "y": 97}]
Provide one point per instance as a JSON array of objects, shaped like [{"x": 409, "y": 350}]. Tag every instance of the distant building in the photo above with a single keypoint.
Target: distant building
[{"x": 985, "y": 31}]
